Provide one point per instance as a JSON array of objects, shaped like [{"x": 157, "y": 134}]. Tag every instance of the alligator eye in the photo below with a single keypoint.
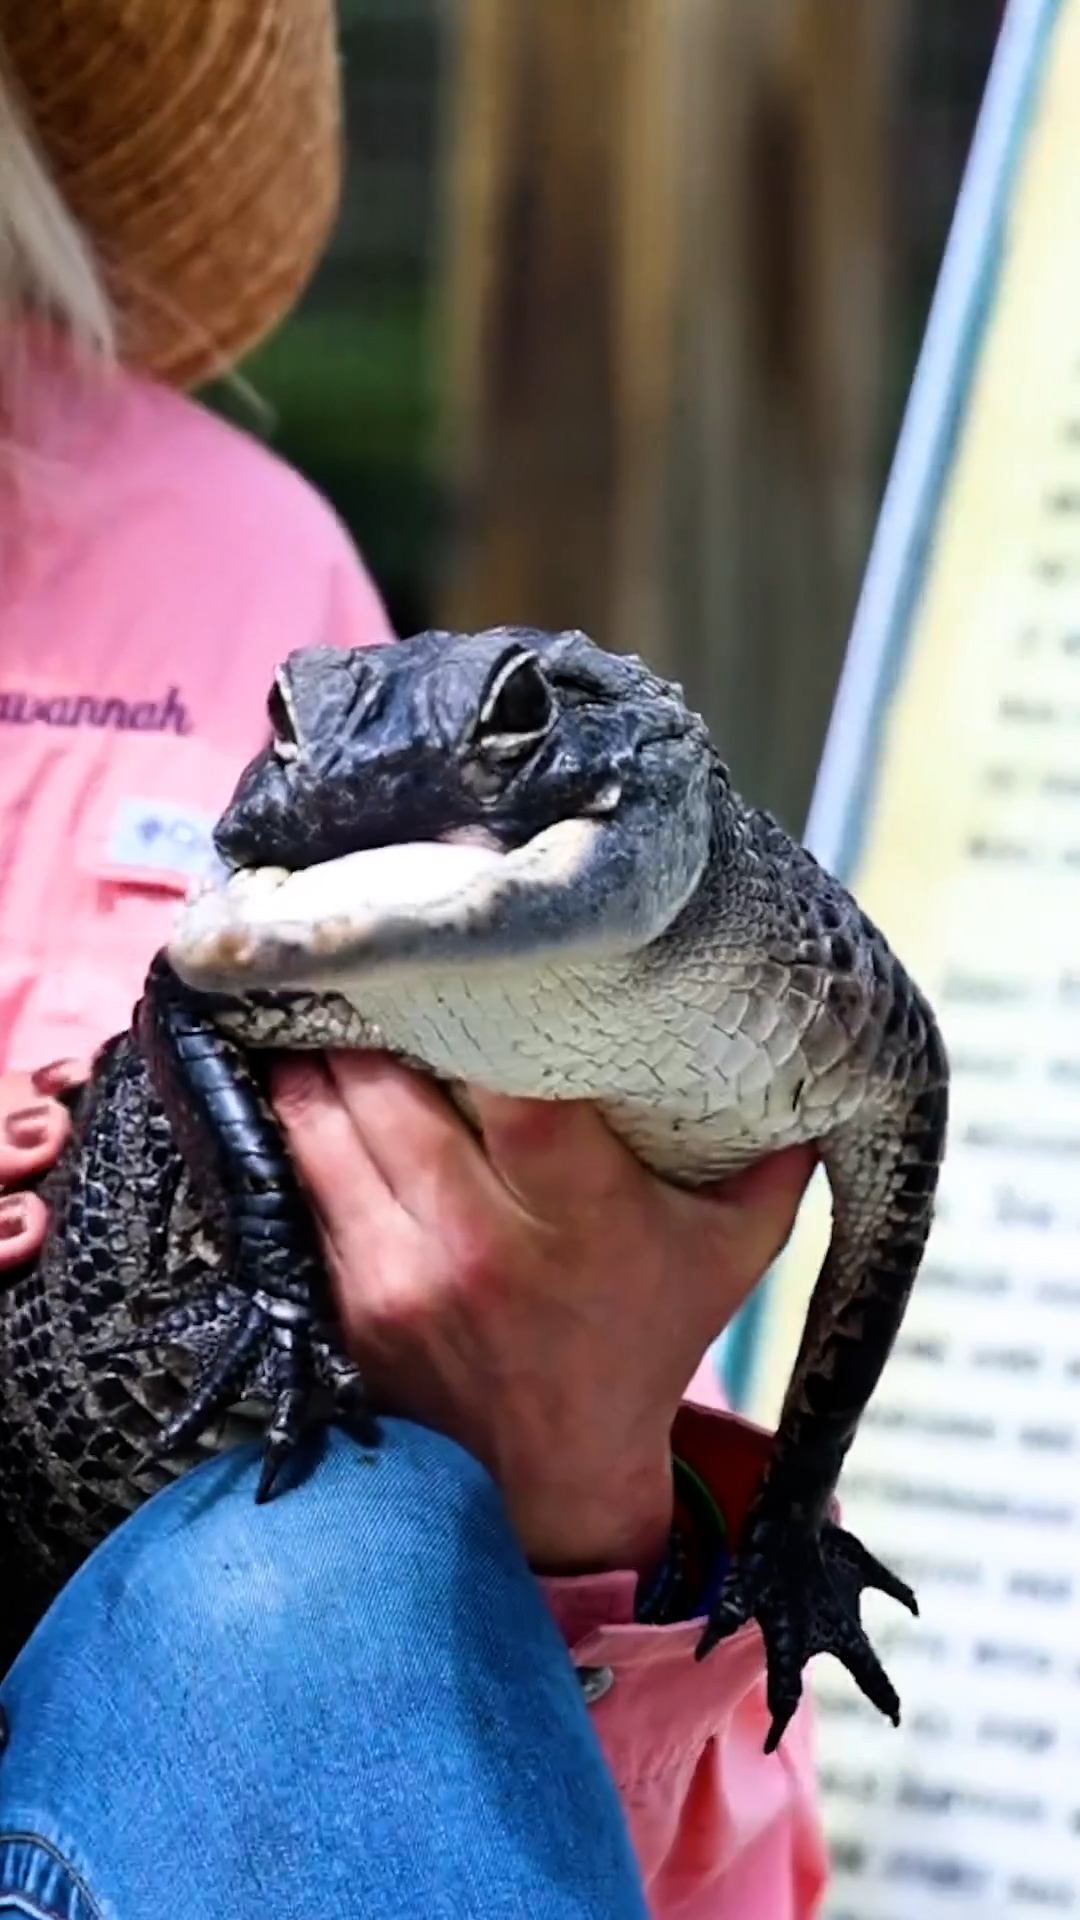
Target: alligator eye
[
  {"x": 518, "y": 706},
  {"x": 285, "y": 744}
]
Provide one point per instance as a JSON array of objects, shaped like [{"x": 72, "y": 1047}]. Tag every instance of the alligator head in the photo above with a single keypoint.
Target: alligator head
[{"x": 450, "y": 800}]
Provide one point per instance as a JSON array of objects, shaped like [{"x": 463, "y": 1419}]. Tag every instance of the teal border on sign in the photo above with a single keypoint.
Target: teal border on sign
[{"x": 897, "y": 567}]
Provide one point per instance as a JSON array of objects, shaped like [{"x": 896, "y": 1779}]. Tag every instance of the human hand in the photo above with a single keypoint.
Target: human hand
[
  {"x": 535, "y": 1295},
  {"x": 34, "y": 1127}
]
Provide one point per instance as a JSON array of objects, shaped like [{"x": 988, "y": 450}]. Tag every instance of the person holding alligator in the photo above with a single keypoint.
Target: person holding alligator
[{"x": 415, "y": 1701}]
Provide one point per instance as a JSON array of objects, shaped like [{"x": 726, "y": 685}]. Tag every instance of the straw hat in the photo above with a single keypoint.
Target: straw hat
[{"x": 199, "y": 144}]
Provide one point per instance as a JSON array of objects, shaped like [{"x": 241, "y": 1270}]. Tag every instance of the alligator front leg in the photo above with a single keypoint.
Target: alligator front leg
[
  {"x": 797, "y": 1573},
  {"x": 269, "y": 1327}
]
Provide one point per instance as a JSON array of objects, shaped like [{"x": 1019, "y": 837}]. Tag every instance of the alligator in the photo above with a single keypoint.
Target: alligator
[{"x": 517, "y": 861}]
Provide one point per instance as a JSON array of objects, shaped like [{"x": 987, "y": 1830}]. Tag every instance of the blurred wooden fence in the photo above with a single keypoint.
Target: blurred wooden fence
[{"x": 666, "y": 277}]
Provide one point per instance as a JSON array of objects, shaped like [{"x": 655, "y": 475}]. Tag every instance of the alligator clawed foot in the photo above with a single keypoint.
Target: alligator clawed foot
[
  {"x": 262, "y": 1344},
  {"x": 299, "y": 1380},
  {"x": 803, "y": 1587}
]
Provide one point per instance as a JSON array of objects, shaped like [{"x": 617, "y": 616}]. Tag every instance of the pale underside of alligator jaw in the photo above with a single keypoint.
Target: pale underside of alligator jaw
[{"x": 411, "y": 907}]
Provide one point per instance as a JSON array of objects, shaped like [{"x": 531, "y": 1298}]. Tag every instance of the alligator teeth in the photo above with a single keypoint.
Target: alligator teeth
[{"x": 252, "y": 884}]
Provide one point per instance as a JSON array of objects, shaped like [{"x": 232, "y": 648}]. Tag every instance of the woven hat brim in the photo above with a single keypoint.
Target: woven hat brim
[{"x": 199, "y": 143}]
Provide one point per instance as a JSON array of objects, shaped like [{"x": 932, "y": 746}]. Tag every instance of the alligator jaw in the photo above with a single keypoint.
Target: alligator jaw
[{"x": 420, "y": 905}]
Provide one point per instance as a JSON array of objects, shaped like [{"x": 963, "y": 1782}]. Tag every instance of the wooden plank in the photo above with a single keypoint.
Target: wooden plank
[
  {"x": 782, "y": 368},
  {"x": 667, "y": 258},
  {"x": 531, "y": 306}
]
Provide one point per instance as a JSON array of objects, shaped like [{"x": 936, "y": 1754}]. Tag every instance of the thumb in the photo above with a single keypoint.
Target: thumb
[
  {"x": 552, "y": 1155},
  {"x": 757, "y": 1208}
]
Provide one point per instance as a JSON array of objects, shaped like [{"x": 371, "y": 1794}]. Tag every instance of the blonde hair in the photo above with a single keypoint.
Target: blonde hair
[{"x": 47, "y": 265}]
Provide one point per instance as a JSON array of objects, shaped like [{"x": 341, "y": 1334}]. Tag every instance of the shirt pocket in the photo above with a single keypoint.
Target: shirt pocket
[
  {"x": 110, "y": 846},
  {"x": 146, "y": 827}
]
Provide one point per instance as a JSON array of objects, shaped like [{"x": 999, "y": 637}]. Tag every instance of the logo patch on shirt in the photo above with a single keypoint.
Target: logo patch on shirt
[
  {"x": 20, "y": 708},
  {"x": 157, "y": 836}
]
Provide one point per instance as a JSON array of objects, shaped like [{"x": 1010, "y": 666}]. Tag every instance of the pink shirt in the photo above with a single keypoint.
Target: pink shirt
[
  {"x": 167, "y": 565},
  {"x": 162, "y": 565},
  {"x": 722, "y": 1831}
]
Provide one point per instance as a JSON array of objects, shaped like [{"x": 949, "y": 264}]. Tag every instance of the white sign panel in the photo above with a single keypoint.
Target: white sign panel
[{"x": 950, "y": 800}]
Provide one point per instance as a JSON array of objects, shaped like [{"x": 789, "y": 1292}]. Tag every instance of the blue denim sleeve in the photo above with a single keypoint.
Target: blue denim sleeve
[{"x": 352, "y": 1701}]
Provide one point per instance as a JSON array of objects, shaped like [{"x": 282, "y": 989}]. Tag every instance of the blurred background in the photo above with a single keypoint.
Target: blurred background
[{"x": 619, "y": 322}]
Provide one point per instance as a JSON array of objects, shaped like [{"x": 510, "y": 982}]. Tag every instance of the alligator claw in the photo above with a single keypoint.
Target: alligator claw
[
  {"x": 261, "y": 1345},
  {"x": 221, "y": 1381},
  {"x": 194, "y": 1324},
  {"x": 261, "y": 1335},
  {"x": 288, "y": 1423},
  {"x": 803, "y": 1587}
]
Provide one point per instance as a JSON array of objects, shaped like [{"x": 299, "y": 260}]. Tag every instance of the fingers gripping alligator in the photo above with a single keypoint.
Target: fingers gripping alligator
[{"x": 518, "y": 861}]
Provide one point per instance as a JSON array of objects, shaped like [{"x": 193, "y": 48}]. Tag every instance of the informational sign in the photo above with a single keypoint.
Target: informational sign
[{"x": 950, "y": 801}]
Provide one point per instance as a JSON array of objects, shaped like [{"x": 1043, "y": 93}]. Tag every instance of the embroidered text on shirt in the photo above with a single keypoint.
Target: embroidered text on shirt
[{"x": 19, "y": 709}]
